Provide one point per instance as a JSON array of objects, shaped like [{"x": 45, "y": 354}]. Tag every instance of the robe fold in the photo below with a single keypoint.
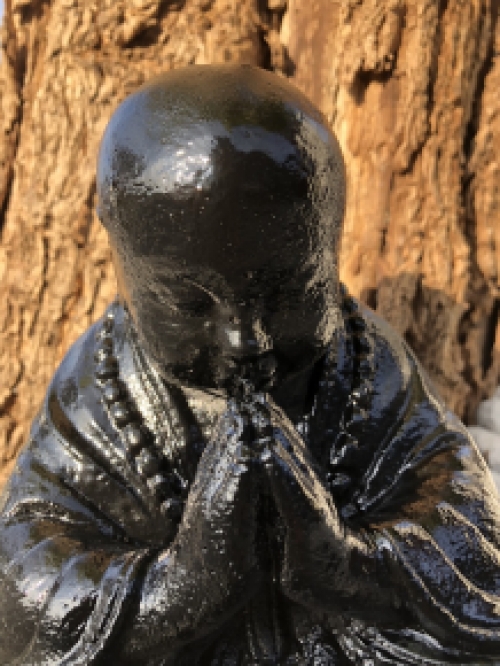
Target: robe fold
[{"x": 79, "y": 527}]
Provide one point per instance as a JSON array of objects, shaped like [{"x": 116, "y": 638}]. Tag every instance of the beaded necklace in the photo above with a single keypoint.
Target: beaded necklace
[
  {"x": 163, "y": 479},
  {"x": 346, "y": 453}
]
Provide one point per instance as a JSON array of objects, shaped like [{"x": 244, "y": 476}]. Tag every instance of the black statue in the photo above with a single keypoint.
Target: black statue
[{"x": 240, "y": 464}]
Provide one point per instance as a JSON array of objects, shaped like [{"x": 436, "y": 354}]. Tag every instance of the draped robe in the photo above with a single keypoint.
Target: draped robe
[{"x": 78, "y": 528}]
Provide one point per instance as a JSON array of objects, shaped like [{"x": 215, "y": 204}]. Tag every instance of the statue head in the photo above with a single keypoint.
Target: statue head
[{"x": 222, "y": 190}]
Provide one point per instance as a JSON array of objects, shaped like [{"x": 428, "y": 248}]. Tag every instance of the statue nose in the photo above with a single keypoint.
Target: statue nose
[{"x": 246, "y": 337}]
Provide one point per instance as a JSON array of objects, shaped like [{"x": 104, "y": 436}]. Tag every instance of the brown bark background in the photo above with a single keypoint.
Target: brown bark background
[{"x": 410, "y": 88}]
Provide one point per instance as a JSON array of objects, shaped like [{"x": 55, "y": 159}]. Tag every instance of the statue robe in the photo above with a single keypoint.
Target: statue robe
[{"x": 78, "y": 527}]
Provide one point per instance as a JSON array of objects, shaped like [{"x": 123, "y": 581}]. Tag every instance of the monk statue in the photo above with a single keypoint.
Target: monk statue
[{"x": 240, "y": 464}]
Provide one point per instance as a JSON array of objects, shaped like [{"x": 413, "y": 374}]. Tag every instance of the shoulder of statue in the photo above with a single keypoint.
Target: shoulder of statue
[
  {"x": 380, "y": 387},
  {"x": 74, "y": 430},
  {"x": 383, "y": 364},
  {"x": 395, "y": 351},
  {"x": 393, "y": 415},
  {"x": 135, "y": 426},
  {"x": 73, "y": 426},
  {"x": 87, "y": 404},
  {"x": 73, "y": 400},
  {"x": 76, "y": 446}
]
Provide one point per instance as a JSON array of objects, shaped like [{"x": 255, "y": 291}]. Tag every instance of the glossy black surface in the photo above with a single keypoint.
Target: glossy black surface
[
  {"x": 223, "y": 193},
  {"x": 239, "y": 464}
]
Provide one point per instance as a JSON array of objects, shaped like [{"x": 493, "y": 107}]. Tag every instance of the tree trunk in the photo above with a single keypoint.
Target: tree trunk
[{"x": 410, "y": 88}]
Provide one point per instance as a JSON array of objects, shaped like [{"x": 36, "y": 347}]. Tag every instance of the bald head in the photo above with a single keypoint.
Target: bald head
[{"x": 227, "y": 177}]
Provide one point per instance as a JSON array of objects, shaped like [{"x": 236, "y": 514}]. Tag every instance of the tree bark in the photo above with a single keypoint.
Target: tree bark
[{"x": 410, "y": 89}]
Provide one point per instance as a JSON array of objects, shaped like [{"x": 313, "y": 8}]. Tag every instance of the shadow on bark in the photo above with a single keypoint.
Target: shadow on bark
[{"x": 455, "y": 342}]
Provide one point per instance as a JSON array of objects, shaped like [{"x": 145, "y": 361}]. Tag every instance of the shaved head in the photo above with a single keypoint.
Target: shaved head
[{"x": 223, "y": 185}]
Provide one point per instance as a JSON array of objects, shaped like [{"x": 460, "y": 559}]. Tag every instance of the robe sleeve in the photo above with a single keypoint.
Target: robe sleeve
[
  {"x": 67, "y": 572},
  {"x": 429, "y": 498}
]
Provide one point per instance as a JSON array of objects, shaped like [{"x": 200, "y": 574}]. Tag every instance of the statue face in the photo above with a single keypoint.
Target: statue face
[
  {"x": 262, "y": 318},
  {"x": 223, "y": 193}
]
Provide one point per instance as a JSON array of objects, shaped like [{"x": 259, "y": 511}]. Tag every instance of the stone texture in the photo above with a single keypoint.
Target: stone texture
[
  {"x": 410, "y": 87},
  {"x": 488, "y": 414}
]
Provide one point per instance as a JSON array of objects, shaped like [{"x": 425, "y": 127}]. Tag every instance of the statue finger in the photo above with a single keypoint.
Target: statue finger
[
  {"x": 227, "y": 468},
  {"x": 296, "y": 486},
  {"x": 291, "y": 488}
]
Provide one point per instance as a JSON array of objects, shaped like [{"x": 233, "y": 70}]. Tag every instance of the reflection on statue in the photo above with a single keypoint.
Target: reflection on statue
[{"x": 240, "y": 464}]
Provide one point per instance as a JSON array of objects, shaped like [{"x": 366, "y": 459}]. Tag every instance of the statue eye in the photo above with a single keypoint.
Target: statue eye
[{"x": 198, "y": 307}]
